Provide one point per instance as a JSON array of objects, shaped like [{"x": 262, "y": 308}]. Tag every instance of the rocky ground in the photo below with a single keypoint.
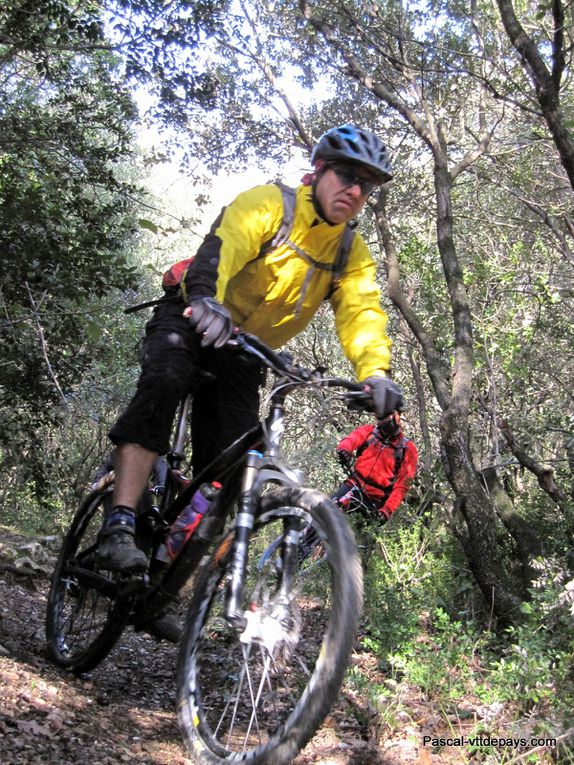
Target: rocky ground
[{"x": 124, "y": 711}]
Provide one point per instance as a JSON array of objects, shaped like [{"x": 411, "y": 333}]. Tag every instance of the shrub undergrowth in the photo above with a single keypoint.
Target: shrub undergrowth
[{"x": 434, "y": 645}]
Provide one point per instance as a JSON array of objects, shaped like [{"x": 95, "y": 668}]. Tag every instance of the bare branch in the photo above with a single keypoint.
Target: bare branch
[{"x": 43, "y": 343}]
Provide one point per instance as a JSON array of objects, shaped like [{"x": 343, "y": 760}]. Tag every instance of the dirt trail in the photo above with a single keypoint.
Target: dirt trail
[{"x": 124, "y": 711}]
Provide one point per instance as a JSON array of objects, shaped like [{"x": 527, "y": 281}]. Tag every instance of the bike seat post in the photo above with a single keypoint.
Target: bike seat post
[{"x": 181, "y": 426}]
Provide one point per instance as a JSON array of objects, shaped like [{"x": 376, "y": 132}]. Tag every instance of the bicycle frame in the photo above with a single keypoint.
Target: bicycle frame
[
  {"x": 242, "y": 469},
  {"x": 90, "y": 605}
]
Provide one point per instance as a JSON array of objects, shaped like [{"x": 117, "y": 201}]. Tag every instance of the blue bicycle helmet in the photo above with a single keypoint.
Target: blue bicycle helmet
[{"x": 355, "y": 145}]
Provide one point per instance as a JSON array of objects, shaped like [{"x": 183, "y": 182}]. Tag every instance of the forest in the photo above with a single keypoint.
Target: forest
[{"x": 470, "y": 586}]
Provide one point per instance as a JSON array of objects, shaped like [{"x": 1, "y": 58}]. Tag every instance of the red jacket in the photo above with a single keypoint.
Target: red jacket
[{"x": 376, "y": 464}]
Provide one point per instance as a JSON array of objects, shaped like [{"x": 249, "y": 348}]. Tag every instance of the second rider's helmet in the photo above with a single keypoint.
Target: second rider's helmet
[{"x": 351, "y": 144}]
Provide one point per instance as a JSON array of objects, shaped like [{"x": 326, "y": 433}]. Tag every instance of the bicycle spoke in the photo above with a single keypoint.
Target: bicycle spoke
[
  {"x": 240, "y": 691},
  {"x": 81, "y": 620},
  {"x": 235, "y": 705},
  {"x": 254, "y": 702},
  {"x": 267, "y": 682}
]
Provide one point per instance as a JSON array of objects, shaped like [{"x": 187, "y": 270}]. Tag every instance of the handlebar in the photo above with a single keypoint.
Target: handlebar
[{"x": 282, "y": 365}]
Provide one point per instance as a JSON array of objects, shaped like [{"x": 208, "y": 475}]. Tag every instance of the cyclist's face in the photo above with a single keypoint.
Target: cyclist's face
[
  {"x": 342, "y": 191},
  {"x": 390, "y": 426}
]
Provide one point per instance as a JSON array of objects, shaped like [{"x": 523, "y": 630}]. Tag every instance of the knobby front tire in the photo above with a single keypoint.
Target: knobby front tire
[
  {"x": 259, "y": 695},
  {"x": 84, "y": 617}
]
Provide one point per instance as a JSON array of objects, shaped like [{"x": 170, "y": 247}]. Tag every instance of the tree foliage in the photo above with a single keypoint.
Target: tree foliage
[
  {"x": 546, "y": 55},
  {"x": 435, "y": 81},
  {"x": 66, "y": 221},
  {"x": 473, "y": 238}
]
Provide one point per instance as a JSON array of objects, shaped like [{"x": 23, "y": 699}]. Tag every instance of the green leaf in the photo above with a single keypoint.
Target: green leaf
[
  {"x": 149, "y": 225},
  {"x": 93, "y": 331}
]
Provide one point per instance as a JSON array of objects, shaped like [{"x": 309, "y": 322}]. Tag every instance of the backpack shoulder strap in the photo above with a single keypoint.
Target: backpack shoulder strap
[
  {"x": 289, "y": 197},
  {"x": 282, "y": 236},
  {"x": 345, "y": 244},
  {"x": 399, "y": 455},
  {"x": 371, "y": 439}
]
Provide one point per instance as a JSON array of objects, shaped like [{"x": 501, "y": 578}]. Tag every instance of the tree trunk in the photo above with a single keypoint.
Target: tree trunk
[
  {"x": 528, "y": 545},
  {"x": 543, "y": 473},
  {"x": 479, "y": 538},
  {"x": 451, "y": 378},
  {"x": 546, "y": 83},
  {"x": 482, "y": 549},
  {"x": 480, "y": 544}
]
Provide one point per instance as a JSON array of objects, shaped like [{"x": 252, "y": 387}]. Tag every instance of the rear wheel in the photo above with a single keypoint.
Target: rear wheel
[
  {"x": 85, "y": 614},
  {"x": 257, "y": 695}
]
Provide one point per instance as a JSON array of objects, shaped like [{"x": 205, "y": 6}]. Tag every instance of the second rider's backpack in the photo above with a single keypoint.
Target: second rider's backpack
[{"x": 173, "y": 277}]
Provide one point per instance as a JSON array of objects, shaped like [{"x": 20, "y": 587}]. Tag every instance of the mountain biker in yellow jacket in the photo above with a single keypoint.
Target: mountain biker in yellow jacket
[{"x": 274, "y": 296}]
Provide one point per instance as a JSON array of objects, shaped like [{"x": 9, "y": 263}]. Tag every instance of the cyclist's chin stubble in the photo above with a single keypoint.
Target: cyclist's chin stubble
[{"x": 342, "y": 209}]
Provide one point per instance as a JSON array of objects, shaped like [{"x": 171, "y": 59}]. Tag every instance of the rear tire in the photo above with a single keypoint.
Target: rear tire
[
  {"x": 259, "y": 695},
  {"x": 85, "y": 615}
]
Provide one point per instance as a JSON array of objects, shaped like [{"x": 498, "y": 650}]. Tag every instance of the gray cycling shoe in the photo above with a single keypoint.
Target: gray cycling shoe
[
  {"x": 118, "y": 552},
  {"x": 168, "y": 626}
]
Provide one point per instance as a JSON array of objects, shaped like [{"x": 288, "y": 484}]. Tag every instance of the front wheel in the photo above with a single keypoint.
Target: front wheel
[
  {"x": 85, "y": 614},
  {"x": 257, "y": 695}
]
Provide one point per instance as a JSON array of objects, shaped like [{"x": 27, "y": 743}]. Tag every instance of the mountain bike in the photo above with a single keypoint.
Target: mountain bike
[{"x": 265, "y": 648}]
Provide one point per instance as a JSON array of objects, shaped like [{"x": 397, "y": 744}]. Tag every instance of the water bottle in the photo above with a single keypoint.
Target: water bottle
[{"x": 190, "y": 517}]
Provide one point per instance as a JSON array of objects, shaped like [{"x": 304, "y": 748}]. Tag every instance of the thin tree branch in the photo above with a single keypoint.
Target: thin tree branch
[{"x": 44, "y": 344}]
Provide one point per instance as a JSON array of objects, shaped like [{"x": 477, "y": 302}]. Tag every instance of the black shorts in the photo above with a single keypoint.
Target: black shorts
[{"x": 225, "y": 389}]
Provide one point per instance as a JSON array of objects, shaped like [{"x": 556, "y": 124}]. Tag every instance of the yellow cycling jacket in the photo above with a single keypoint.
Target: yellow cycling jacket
[{"x": 275, "y": 295}]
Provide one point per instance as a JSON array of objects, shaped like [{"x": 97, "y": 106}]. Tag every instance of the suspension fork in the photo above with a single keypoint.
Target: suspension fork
[
  {"x": 243, "y": 526},
  {"x": 290, "y": 556},
  {"x": 248, "y": 501},
  {"x": 290, "y": 546}
]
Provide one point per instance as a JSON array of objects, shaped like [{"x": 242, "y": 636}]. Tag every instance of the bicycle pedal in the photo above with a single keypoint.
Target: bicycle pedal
[{"x": 130, "y": 583}]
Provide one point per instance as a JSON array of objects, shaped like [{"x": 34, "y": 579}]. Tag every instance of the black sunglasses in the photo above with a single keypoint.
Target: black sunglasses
[{"x": 349, "y": 177}]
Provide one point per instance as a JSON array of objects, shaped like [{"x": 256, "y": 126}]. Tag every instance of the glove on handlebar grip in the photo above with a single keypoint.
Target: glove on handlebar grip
[
  {"x": 210, "y": 319},
  {"x": 386, "y": 394}
]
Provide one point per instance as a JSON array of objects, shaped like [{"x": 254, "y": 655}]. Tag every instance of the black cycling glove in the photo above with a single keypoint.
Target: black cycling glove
[
  {"x": 386, "y": 394},
  {"x": 210, "y": 319},
  {"x": 345, "y": 458},
  {"x": 382, "y": 517}
]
